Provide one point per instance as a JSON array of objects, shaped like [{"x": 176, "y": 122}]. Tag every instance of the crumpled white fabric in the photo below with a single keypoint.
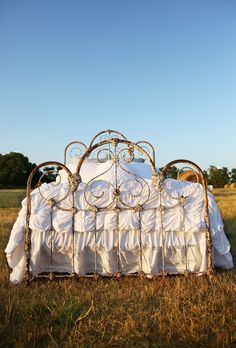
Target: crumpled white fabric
[{"x": 110, "y": 232}]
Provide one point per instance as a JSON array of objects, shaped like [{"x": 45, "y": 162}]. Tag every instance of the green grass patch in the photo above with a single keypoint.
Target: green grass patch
[{"x": 11, "y": 198}]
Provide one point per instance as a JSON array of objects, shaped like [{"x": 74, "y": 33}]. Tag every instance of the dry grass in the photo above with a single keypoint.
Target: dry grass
[{"x": 170, "y": 312}]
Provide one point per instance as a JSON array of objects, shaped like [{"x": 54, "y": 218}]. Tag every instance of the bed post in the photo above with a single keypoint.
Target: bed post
[
  {"x": 206, "y": 207},
  {"x": 27, "y": 235}
]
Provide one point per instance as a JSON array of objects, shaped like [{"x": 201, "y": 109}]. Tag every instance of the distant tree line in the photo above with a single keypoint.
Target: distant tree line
[
  {"x": 15, "y": 169},
  {"x": 217, "y": 177}
]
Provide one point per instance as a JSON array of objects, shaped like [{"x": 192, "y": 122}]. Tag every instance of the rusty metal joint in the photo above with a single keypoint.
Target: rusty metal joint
[
  {"x": 182, "y": 200},
  {"x": 116, "y": 192},
  {"x": 74, "y": 181},
  {"x": 95, "y": 276},
  {"x": 138, "y": 208},
  {"x": 73, "y": 210},
  {"x": 158, "y": 181},
  {"x": 118, "y": 275},
  {"x": 51, "y": 203}
]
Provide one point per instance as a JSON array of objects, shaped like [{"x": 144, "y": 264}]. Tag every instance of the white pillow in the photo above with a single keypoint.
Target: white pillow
[
  {"x": 141, "y": 169},
  {"x": 92, "y": 168},
  {"x": 87, "y": 171},
  {"x": 125, "y": 171}
]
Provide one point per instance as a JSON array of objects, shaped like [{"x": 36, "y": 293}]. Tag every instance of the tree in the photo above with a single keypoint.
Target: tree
[
  {"x": 206, "y": 175},
  {"x": 218, "y": 177},
  {"x": 233, "y": 175},
  {"x": 49, "y": 174},
  {"x": 14, "y": 169},
  {"x": 171, "y": 172}
]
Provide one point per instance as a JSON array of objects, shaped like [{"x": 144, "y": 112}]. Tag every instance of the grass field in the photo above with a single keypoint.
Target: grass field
[{"x": 167, "y": 312}]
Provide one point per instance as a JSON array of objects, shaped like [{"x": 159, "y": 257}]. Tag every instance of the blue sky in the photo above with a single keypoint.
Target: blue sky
[{"x": 159, "y": 70}]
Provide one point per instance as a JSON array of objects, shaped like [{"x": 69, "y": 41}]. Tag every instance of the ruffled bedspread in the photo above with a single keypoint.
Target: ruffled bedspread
[{"x": 128, "y": 240}]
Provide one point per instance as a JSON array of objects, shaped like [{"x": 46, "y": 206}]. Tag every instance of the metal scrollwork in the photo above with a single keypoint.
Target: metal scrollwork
[
  {"x": 148, "y": 148},
  {"x": 136, "y": 192},
  {"x": 77, "y": 151},
  {"x": 104, "y": 155},
  {"x": 106, "y": 135},
  {"x": 50, "y": 172},
  {"x": 126, "y": 154},
  {"x": 95, "y": 192}
]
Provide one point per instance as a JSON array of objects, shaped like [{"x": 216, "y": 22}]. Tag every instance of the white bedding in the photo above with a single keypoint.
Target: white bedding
[{"x": 181, "y": 227}]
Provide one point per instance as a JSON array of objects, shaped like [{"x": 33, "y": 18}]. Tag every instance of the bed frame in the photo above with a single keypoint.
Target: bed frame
[{"x": 114, "y": 146}]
